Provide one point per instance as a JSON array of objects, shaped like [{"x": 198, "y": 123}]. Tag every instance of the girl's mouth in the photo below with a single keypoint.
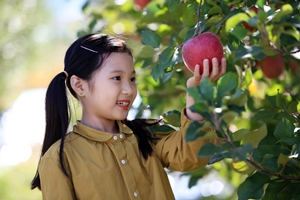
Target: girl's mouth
[{"x": 123, "y": 104}]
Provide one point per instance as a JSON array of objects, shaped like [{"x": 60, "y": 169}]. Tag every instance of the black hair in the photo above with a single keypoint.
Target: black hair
[{"x": 82, "y": 59}]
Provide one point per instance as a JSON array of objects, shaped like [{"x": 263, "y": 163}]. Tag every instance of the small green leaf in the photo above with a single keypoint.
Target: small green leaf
[
  {"x": 225, "y": 84},
  {"x": 285, "y": 10},
  {"x": 165, "y": 129},
  {"x": 147, "y": 51},
  {"x": 292, "y": 107},
  {"x": 234, "y": 20},
  {"x": 215, "y": 158},
  {"x": 207, "y": 90},
  {"x": 173, "y": 117},
  {"x": 264, "y": 115},
  {"x": 173, "y": 5},
  {"x": 280, "y": 101},
  {"x": 157, "y": 72},
  {"x": 208, "y": 149},
  {"x": 255, "y": 136},
  {"x": 284, "y": 129},
  {"x": 239, "y": 134},
  {"x": 253, "y": 187},
  {"x": 151, "y": 38},
  {"x": 166, "y": 55},
  {"x": 194, "y": 131},
  {"x": 248, "y": 51}
]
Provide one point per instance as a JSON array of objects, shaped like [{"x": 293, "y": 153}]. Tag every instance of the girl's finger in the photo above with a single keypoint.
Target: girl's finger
[
  {"x": 215, "y": 68},
  {"x": 197, "y": 76},
  {"x": 205, "y": 68},
  {"x": 223, "y": 66}
]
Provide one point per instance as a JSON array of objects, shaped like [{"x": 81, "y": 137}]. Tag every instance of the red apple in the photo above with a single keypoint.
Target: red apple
[
  {"x": 272, "y": 67},
  {"x": 204, "y": 46},
  {"x": 293, "y": 64},
  {"x": 141, "y": 4},
  {"x": 248, "y": 26}
]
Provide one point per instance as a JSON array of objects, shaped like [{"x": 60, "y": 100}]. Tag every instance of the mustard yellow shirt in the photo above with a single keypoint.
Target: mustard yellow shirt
[{"x": 106, "y": 166}]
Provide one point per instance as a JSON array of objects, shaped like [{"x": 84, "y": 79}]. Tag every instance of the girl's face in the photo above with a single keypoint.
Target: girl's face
[{"x": 112, "y": 89}]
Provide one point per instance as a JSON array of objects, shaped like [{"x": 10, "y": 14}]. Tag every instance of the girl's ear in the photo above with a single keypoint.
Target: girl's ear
[{"x": 78, "y": 85}]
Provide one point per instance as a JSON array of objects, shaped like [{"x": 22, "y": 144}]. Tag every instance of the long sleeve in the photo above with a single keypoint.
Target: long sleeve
[
  {"x": 55, "y": 185},
  {"x": 177, "y": 154}
]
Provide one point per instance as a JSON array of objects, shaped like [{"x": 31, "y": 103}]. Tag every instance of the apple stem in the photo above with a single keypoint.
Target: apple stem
[{"x": 197, "y": 30}]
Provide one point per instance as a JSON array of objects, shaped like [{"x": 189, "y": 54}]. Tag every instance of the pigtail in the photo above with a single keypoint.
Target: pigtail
[
  {"x": 144, "y": 137},
  {"x": 57, "y": 120}
]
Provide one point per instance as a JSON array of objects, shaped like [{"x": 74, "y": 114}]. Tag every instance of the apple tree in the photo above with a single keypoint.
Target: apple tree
[{"x": 253, "y": 109}]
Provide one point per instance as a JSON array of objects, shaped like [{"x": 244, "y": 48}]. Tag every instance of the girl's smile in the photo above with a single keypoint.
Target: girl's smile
[{"x": 124, "y": 104}]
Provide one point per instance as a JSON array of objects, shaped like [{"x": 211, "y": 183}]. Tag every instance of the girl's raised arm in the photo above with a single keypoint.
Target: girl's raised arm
[{"x": 217, "y": 72}]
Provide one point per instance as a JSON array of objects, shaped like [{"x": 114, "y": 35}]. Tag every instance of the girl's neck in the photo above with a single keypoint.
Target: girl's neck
[{"x": 104, "y": 125}]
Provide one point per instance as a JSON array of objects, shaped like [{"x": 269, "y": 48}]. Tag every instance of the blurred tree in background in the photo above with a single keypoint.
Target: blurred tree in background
[
  {"x": 254, "y": 108},
  {"x": 28, "y": 34}
]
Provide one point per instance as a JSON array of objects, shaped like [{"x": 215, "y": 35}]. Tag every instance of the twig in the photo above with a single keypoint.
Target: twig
[
  {"x": 259, "y": 168},
  {"x": 197, "y": 30},
  {"x": 196, "y": 33}
]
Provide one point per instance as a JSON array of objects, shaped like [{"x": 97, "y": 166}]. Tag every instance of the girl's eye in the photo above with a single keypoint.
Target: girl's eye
[
  {"x": 133, "y": 79},
  {"x": 117, "y": 78}
]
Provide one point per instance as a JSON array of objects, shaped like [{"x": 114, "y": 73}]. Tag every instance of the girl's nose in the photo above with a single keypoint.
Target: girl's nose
[{"x": 127, "y": 89}]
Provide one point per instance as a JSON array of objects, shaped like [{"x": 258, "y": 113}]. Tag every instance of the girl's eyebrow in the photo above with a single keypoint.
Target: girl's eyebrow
[{"x": 121, "y": 71}]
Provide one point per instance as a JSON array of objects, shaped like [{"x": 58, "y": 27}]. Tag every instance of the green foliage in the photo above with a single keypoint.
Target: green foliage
[{"x": 256, "y": 119}]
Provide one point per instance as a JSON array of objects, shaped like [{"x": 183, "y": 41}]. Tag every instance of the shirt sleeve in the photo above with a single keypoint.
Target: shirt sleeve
[
  {"x": 55, "y": 185},
  {"x": 177, "y": 154}
]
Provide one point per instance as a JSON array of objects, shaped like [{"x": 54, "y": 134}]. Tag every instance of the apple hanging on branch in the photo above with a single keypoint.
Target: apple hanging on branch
[
  {"x": 204, "y": 46},
  {"x": 272, "y": 66}
]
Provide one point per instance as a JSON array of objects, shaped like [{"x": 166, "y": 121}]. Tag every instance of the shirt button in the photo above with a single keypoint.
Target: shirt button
[
  {"x": 121, "y": 136},
  {"x": 123, "y": 162},
  {"x": 115, "y": 137},
  {"x": 135, "y": 194}
]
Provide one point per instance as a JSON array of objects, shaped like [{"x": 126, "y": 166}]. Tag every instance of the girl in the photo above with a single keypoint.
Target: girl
[{"x": 106, "y": 156}]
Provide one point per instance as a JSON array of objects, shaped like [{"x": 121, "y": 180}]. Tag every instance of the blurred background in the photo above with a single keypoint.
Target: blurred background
[{"x": 34, "y": 37}]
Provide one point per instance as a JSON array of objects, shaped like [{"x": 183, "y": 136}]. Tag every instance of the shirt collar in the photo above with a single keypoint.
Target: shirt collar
[{"x": 100, "y": 136}]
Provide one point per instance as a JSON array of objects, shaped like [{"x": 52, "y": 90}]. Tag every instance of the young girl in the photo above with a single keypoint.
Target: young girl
[{"x": 106, "y": 156}]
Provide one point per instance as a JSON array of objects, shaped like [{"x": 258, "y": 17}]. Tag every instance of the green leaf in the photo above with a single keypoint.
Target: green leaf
[
  {"x": 248, "y": 51},
  {"x": 151, "y": 38},
  {"x": 284, "y": 129},
  {"x": 92, "y": 24},
  {"x": 207, "y": 89},
  {"x": 239, "y": 134},
  {"x": 248, "y": 76},
  {"x": 285, "y": 10},
  {"x": 225, "y": 84},
  {"x": 265, "y": 115},
  {"x": 166, "y": 55},
  {"x": 255, "y": 136},
  {"x": 173, "y": 117},
  {"x": 156, "y": 129},
  {"x": 194, "y": 131},
  {"x": 173, "y": 5},
  {"x": 215, "y": 158},
  {"x": 194, "y": 92},
  {"x": 157, "y": 72},
  {"x": 280, "y": 101},
  {"x": 234, "y": 20},
  {"x": 208, "y": 150},
  {"x": 292, "y": 107},
  {"x": 239, "y": 32},
  {"x": 147, "y": 51},
  {"x": 253, "y": 187}
]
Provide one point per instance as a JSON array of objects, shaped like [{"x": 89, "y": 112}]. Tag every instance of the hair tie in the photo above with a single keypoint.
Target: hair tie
[{"x": 66, "y": 73}]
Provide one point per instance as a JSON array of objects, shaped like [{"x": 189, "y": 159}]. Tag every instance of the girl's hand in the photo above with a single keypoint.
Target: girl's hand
[{"x": 217, "y": 72}]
